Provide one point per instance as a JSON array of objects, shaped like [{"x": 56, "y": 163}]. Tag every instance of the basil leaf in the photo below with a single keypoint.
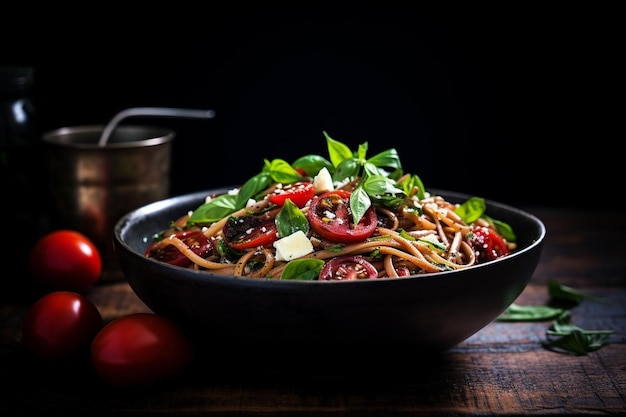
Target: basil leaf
[
  {"x": 577, "y": 342},
  {"x": 281, "y": 171},
  {"x": 290, "y": 219},
  {"x": 516, "y": 312},
  {"x": 392, "y": 202},
  {"x": 388, "y": 158},
  {"x": 472, "y": 209},
  {"x": 379, "y": 184},
  {"x": 349, "y": 168},
  {"x": 214, "y": 210},
  {"x": 371, "y": 169},
  {"x": 252, "y": 187},
  {"x": 337, "y": 151},
  {"x": 361, "y": 152},
  {"x": 564, "y": 293},
  {"x": 359, "y": 203},
  {"x": 413, "y": 185},
  {"x": 302, "y": 269},
  {"x": 503, "y": 228},
  {"x": 312, "y": 164}
]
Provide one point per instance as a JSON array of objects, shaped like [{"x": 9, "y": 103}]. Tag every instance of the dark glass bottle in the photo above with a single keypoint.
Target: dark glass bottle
[{"x": 21, "y": 167}]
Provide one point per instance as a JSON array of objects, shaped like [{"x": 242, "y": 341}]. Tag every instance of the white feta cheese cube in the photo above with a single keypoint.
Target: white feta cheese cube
[
  {"x": 323, "y": 182},
  {"x": 293, "y": 246}
]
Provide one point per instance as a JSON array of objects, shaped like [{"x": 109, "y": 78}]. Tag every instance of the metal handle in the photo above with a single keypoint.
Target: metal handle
[{"x": 152, "y": 111}]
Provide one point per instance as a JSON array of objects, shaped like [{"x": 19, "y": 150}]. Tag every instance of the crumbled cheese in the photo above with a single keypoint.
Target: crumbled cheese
[
  {"x": 293, "y": 246},
  {"x": 431, "y": 238},
  {"x": 323, "y": 181}
]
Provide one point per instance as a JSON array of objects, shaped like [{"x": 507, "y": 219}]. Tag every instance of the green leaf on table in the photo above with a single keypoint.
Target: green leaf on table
[
  {"x": 559, "y": 292},
  {"x": 564, "y": 337},
  {"x": 516, "y": 312},
  {"x": 577, "y": 341}
]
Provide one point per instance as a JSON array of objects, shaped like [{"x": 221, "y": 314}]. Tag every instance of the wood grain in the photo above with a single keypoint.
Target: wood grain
[{"x": 501, "y": 370}]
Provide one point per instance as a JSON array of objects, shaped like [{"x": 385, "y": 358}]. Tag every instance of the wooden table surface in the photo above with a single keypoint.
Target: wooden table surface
[{"x": 501, "y": 370}]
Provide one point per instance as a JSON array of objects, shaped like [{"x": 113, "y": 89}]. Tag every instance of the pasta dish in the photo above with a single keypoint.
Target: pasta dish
[{"x": 343, "y": 218}]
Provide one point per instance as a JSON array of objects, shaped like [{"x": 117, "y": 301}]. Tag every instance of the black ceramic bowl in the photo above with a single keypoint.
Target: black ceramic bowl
[{"x": 431, "y": 312}]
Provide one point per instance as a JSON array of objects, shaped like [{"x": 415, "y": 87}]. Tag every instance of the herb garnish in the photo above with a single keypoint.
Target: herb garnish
[
  {"x": 567, "y": 338},
  {"x": 562, "y": 336}
]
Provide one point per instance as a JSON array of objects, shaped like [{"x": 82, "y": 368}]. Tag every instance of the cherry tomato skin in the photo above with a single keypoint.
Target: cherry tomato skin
[
  {"x": 488, "y": 244},
  {"x": 299, "y": 193},
  {"x": 65, "y": 260},
  {"x": 347, "y": 268},
  {"x": 60, "y": 324},
  {"x": 403, "y": 271},
  {"x": 339, "y": 227},
  {"x": 140, "y": 348},
  {"x": 195, "y": 239},
  {"x": 301, "y": 171},
  {"x": 251, "y": 231}
]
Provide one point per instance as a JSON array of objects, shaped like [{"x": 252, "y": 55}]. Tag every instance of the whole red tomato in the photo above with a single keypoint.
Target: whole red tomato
[
  {"x": 140, "y": 348},
  {"x": 65, "y": 260},
  {"x": 60, "y": 324}
]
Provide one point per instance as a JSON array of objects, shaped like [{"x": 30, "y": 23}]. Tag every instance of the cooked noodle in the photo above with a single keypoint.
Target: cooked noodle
[{"x": 387, "y": 244}]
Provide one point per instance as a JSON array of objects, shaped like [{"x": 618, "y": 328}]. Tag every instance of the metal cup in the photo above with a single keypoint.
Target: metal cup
[{"x": 92, "y": 186}]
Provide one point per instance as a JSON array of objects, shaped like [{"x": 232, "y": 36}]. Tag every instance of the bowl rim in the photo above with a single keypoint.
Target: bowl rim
[{"x": 201, "y": 277}]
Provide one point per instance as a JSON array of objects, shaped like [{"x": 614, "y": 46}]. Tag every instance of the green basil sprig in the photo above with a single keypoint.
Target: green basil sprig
[
  {"x": 378, "y": 182},
  {"x": 375, "y": 179}
]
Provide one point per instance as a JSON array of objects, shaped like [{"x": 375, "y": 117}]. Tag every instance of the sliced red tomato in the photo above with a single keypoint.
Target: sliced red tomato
[
  {"x": 347, "y": 268},
  {"x": 330, "y": 216},
  {"x": 299, "y": 193},
  {"x": 403, "y": 271},
  {"x": 488, "y": 244},
  {"x": 170, "y": 254},
  {"x": 251, "y": 231}
]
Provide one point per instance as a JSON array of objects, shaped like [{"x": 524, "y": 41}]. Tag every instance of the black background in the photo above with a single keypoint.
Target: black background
[{"x": 512, "y": 103}]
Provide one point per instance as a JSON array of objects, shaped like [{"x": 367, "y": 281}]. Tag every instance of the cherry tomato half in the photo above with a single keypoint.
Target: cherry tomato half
[
  {"x": 330, "y": 216},
  {"x": 251, "y": 231},
  {"x": 347, "y": 268},
  {"x": 195, "y": 239},
  {"x": 60, "y": 324},
  {"x": 65, "y": 260},
  {"x": 299, "y": 193},
  {"x": 488, "y": 244},
  {"x": 140, "y": 348}
]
